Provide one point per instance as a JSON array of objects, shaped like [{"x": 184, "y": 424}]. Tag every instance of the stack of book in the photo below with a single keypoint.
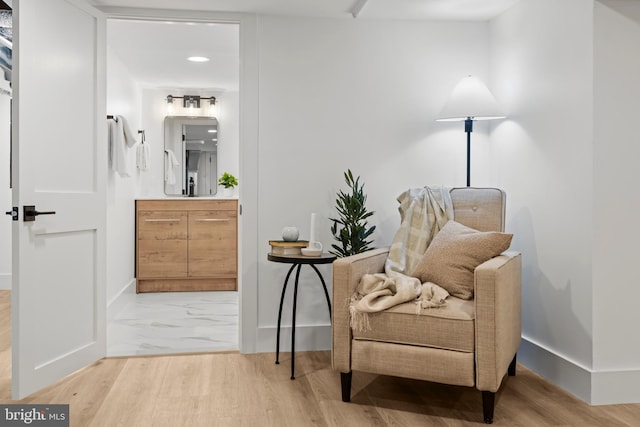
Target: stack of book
[{"x": 282, "y": 247}]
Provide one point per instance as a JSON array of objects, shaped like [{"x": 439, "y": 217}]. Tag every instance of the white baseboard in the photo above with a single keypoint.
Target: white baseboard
[
  {"x": 122, "y": 298},
  {"x": 5, "y": 282},
  {"x": 592, "y": 386},
  {"x": 308, "y": 338},
  {"x": 558, "y": 369},
  {"x": 615, "y": 387}
]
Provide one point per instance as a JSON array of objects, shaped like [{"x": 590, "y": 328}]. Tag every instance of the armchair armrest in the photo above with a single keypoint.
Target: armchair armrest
[
  {"x": 497, "y": 297},
  {"x": 347, "y": 272}
]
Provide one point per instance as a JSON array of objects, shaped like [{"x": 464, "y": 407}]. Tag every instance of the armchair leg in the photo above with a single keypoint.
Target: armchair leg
[
  {"x": 512, "y": 366},
  {"x": 345, "y": 382},
  {"x": 488, "y": 403}
]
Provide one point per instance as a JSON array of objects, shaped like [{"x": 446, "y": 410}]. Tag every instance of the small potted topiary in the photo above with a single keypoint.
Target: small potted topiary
[
  {"x": 351, "y": 228},
  {"x": 228, "y": 183}
]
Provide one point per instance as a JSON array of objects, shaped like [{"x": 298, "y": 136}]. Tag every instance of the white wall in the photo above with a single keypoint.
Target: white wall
[
  {"x": 566, "y": 159},
  {"x": 541, "y": 66},
  {"x": 338, "y": 94},
  {"x": 123, "y": 98},
  {"x": 229, "y": 133},
  {"x": 616, "y": 351},
  {"x": 5, "y": 191}
]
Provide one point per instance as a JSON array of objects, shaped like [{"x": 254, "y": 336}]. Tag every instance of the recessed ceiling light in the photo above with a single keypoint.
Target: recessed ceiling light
[
  {"x": 212, "y": 130},
  {"x": 198, "y": 59}
]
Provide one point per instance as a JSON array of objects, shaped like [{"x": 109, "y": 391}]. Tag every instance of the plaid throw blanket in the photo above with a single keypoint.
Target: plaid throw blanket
[{"x": 423, "y": 212}]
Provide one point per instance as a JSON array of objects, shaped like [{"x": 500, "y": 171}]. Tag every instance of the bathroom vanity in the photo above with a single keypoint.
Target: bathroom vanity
[{"x": 186, "y": 244}]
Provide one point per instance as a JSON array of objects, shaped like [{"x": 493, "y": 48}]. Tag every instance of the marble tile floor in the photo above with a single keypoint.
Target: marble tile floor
[{"x": 174, "y": 322}]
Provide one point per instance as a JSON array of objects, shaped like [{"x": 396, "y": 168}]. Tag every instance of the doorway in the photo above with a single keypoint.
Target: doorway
[
  {"x": 83, "y": 107},
  {"x": 147, "y": 60}
]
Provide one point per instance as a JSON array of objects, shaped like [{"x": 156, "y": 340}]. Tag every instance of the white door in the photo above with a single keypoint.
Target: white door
[{"x": 60, "y": 160}]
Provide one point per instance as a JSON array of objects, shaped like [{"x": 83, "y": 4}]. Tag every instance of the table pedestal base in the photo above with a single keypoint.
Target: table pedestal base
[{"x": 293, "y": 321}]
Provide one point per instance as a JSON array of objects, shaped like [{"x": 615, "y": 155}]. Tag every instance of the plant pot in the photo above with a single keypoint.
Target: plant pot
[{"x": 228, "y": 191}]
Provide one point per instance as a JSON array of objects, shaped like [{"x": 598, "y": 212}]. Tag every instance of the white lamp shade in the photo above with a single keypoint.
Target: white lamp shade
[{"x": 470, "y": 99}]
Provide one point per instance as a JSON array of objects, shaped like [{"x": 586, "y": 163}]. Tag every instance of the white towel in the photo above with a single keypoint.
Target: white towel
[
  {"x": 143, "y": 156},
  {"x": 206, "y": 177},
  {"x": 170, "y": 163},
  {"x": 120, "y": 140}
]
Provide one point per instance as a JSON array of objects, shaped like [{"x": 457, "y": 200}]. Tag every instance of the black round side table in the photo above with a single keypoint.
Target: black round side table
[{"x": 298, "y": 261}]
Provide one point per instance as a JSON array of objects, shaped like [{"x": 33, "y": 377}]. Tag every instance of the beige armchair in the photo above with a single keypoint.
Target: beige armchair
[{"x": 468, "y": 342}]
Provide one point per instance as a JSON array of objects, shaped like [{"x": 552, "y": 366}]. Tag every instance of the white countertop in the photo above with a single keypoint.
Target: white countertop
[{"x": 165, "y": 197}]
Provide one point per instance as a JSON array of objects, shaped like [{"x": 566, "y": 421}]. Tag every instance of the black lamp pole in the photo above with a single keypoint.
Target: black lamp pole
[{"x": 468, "y": 128}]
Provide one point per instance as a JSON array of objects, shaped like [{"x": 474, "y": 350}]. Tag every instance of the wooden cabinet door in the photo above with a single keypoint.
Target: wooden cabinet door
[
  {"x": 212, "y": 243},
  {"x": 162, "y": 225},
  {"x": 162, "y": 244}
]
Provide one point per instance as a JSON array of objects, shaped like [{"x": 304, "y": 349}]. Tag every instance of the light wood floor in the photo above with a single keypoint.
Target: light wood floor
[{"x": 230, "y": 389}]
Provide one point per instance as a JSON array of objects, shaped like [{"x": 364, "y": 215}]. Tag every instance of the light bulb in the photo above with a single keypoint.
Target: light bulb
[
  {"x": 170, "y": 105},
  {"x": 192, "y": 107},
  {"x": 213, "y": 110}
]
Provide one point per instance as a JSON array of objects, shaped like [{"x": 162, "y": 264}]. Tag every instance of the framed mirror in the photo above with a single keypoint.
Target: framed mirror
[{"x": 190, "y": 156}]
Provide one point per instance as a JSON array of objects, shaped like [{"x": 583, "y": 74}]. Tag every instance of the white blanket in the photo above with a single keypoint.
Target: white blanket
[{"x": 423, "y": 211}]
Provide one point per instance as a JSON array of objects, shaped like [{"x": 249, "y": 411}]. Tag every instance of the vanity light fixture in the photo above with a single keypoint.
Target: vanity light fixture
[{"x": 191, "y": 103}]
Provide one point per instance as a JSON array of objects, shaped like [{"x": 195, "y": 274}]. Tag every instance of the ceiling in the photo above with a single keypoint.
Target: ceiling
[
  {"x": 373, "y": 9},
  {"x": 155, "y": 52},
  {"x": 628, "y": 8}
]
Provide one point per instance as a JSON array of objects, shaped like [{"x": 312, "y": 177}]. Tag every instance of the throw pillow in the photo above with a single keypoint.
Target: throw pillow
[{"x": 455, "y": 252}]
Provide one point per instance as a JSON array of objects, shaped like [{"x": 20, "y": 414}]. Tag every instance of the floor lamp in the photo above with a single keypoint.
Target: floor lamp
[{"x": 470, "y": 100}]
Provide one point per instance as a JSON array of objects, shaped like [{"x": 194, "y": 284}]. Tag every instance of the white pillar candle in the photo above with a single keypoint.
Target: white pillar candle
[{"x": 312, "y": 232}]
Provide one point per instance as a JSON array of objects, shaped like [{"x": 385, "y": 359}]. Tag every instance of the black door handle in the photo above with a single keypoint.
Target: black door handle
[{"x": 30, "y": 213}]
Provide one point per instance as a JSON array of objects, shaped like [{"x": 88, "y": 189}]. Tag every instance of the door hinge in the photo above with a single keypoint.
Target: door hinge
[
  {"x": 14, "y": 213},
  {"x": 240, "y": 209}
]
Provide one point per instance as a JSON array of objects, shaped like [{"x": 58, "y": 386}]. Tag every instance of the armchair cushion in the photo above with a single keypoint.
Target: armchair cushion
[
  {"x": 450, "y": 327},
  {"x": 455, "y": 252}
]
